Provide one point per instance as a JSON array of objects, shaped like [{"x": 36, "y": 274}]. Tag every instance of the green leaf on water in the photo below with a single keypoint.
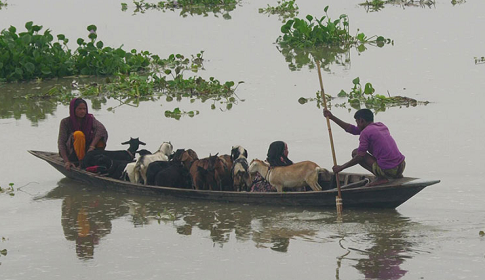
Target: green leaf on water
[
  {"x": 342, "y": 93},
  {"x": 302, "y": 100},
  {"x": 3, "y": 252},
  {"x": 481, "y": 233}
]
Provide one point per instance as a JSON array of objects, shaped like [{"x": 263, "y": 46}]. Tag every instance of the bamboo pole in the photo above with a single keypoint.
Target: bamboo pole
[{"x": 338, "y": 199}]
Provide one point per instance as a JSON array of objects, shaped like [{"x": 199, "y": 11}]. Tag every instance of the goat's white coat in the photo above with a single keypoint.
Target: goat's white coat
[
  {"x": 130, "y": 171},
  {"x": 141, "y": 166}
]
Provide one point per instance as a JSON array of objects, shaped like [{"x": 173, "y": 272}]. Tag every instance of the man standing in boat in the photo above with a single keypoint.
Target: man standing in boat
[{"x": 377, "y": 151}]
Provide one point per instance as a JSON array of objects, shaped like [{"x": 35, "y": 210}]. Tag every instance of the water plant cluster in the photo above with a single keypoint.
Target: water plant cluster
[
  {"x": 377, "y": 5},
  {"x": 169, "y": 84},
  {"x": 131, "y": 76},
  {"x": 285, "y": 9},
  {"x": 3, "y": 4},
  {"x": 479, "y": 60},
  {"x": 32, "y": 54},
  {"x": 360, "y": 96},
  {"x": 187, "y": 7},
  {"x": 326, "y": 40},
  {"x": 8, "y": 190}
]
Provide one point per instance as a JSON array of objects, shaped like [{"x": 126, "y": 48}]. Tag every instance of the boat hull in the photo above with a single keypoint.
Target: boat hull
[{"x": 390, "y": 195}]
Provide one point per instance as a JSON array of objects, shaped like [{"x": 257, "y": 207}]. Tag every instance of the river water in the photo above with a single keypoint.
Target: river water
[{"x": 55, "y": 228}]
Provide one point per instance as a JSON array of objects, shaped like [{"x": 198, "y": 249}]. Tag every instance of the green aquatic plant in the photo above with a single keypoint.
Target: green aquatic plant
[
  {"x": 365, "y": 96},
  {"x": 177, "y": 113},
  {"x": 167, "y": 82},
  {"x": 479, "y": 60},
  {"x": 374, "y": 5},
  {"x": 285, "y": 9},
  {"x": 455, "y": 2},
  {"x": 188, "y": 7},
  {"x": 31, "y": 54},
  {"x": 481, "y": 233},
  {"x": 9, "y": 190},
  {"x": 93, "y": 58},
  {"x": 3, "y": 4},
  {"x": 377, "y": 5},
  {"x": 307, "y": 40}
]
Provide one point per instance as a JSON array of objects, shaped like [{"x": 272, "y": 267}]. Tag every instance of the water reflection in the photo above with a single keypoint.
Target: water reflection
[
  {"x": 389, "y": 244},
  {"x": 298, "y": 58},
  {"x": 37, "y": 100},
  {"x": 376, "y": 243},
  {"x": 222, "y": 8}
]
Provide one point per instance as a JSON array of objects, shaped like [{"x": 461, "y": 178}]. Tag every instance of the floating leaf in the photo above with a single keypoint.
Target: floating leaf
[{"x": 302, "y": 100}]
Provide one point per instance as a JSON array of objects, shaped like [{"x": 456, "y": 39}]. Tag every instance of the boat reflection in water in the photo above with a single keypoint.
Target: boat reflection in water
[{"x": 375, "y": 242}]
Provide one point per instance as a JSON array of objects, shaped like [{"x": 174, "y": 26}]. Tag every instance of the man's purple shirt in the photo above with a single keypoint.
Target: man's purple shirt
[{"x": 376, "y": 139}]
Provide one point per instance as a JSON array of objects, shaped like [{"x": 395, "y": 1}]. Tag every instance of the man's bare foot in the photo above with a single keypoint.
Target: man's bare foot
[{"x": 377, "y": 181}]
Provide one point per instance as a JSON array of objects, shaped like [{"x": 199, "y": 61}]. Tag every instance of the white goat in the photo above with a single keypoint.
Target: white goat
[
  {"x": 141, "y": 166},
  {"x": 296, "y": 175},
  {"x": 130, "y": 171}
]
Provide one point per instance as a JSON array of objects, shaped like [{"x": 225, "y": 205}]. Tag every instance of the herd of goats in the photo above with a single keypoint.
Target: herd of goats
[{"x": 183, "y": 169}]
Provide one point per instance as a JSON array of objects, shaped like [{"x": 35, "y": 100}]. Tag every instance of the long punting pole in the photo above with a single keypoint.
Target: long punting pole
[{"x": 338, "y": 199}]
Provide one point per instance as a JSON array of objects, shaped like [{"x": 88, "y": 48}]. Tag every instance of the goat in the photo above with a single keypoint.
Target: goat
[
  {"x": 156, "y": 166},
  {"x": 237, "y": 151},
  {"x": 240, "y": 174},
  {"x": 110, "y": 167},
  {"x": 124, "y": 155},
  {"x": 177, "y": 174},
  {"x": 129, "y": 172},
  {"x": 222, "y": 174},
  {"x": 142, "y": 163},
  {"x": 241, "y": 179},
  {"x": 202, "y": 173},
  {"x": 296, "y": 175}
]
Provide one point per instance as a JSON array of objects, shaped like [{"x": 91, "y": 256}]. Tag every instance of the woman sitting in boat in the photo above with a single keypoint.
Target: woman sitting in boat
[
  {"x": 277, "y": 156},
  {"x": 79, "y": 133}
]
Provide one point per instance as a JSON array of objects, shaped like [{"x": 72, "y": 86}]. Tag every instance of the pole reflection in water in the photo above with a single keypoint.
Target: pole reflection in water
[
  {"x": 375, "y": 242},
  {"x": 386, "y": 234}
]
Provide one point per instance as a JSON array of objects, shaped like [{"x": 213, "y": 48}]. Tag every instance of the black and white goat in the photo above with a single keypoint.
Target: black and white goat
[
  {"x": 240, "y": 175},
  {"x": 177, "y": 174},
  {"x": 121, "y": 155},
  {"x": 141, "y": 166}
]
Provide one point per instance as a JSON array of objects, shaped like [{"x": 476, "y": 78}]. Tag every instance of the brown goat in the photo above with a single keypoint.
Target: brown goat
[
  {"x": 202, "y": 172},
  {"x": 222, "y": 175}
]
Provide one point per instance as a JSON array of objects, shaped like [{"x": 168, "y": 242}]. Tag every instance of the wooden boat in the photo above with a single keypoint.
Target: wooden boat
[{"x": 354, "y": 193}]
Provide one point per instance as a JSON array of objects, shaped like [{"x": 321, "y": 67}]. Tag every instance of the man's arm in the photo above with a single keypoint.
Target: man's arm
[
  {"x": 355, "y": 160},
  {"x": 345, "y": 126}
]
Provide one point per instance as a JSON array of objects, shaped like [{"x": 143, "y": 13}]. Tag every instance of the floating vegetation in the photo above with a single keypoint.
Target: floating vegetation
[
  {"x": 455, "y": 2},
  {"x": 479, "y": 60},
  {"x": 481, "y": 233},
  {"x": 306, "y": 40},
  {"x": 9, "y": 190},
  {"x": 377, "y": 5},
  {"x": 3, "y": 4},
  {"x": 188, "y": 7},
  {"x": 360, "y": 96},
  {"x": 131, "y": 77},
  {"x": 284, "y": 9},
  {"x": 30, "y": 55}
]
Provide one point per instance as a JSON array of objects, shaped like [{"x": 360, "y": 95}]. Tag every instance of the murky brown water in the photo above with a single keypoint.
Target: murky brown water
[{"x": 55, "y": 228}]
